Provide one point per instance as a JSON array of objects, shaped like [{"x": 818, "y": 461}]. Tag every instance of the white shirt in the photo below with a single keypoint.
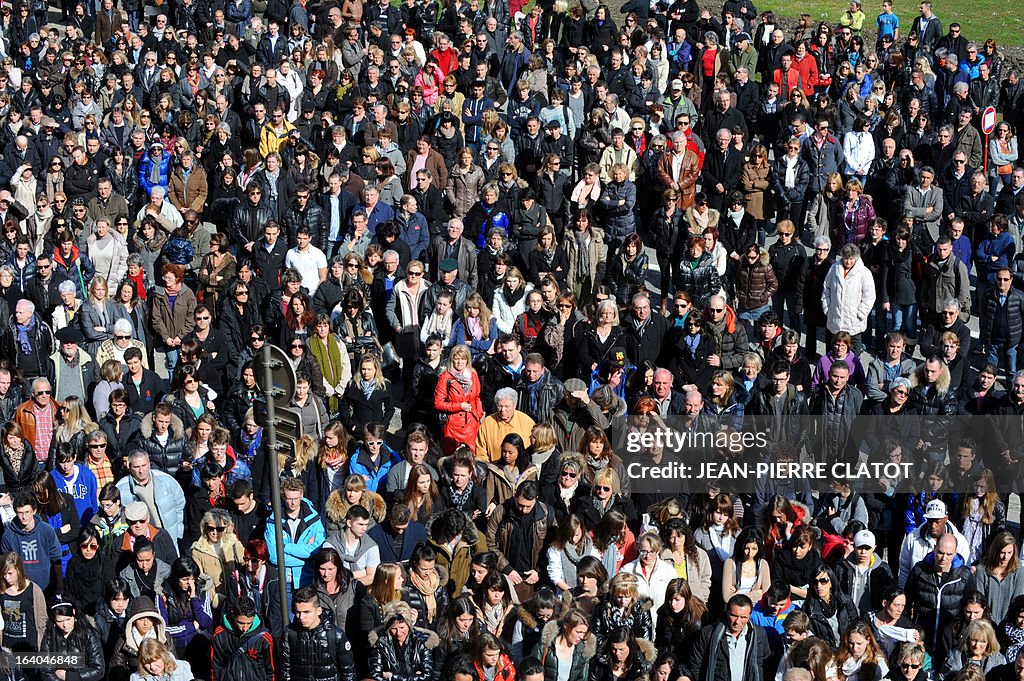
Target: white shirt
[{"x": 308, "y": 264}]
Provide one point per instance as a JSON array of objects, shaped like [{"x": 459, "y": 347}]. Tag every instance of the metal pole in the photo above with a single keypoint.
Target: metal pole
[
  {"x": 275, "y": 479},
  {"x": 984, "y": 165}
]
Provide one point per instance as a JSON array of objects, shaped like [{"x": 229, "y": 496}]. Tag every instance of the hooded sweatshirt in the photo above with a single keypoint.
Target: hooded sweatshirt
[{"x": 38, "y": 548}]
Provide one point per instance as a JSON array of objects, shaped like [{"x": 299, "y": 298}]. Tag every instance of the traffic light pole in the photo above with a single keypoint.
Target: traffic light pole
[{"x": 275, "y": 478}]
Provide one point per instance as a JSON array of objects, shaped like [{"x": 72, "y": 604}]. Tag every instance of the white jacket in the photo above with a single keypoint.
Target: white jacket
[
  {"x": 848, "y": 298},
  {"x": 653, "y": 586},
  {"x": 918, "y": 544},
  {"x": 859, "y": 152},
  {"x": 505, "y": 315}
]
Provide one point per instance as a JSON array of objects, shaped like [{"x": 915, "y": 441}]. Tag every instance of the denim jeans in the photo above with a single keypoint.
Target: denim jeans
[
  {"x": 171, "y": 360},
  {"x": 997, "y": 351},
  {"x": 904, "y": 318}
]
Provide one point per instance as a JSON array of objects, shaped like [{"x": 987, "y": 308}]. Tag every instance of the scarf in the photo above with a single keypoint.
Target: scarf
[
  {"x": 513, "y": 297},
  {"x": 566, "y": 493},
  {"x": 533, "y": 392},
  {"x": 251, "y": 444},
  {"x": 596, "y": 464},
  {"x": 582, "y": 253},
  {"x": 367, "y": 387},
  {"x": 549, "y": 256},
  {"x": 427, "y": 588},
  {"x": 475, "y": 328},
  {"x": 460, "y": 499},
  {"x": 23, "y": 342},
  {"x": 154, "y": 169},
  {"x": 464, "y": 378},
  {"x": 493, "y": 615},
  {"x": 1016, "y": 638},
  {"x": 334, "y": 458},
  {"x": 15, "y": 456}
]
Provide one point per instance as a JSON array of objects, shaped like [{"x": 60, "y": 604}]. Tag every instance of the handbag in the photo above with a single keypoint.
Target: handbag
[{"x": 407, "y": 342}]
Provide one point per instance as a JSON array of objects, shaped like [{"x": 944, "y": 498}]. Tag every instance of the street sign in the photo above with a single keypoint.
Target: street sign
[
  {"x": 283, "y": 388},
  {"x": 988, "y": 120},
  {"x": 287, "y": 421}
]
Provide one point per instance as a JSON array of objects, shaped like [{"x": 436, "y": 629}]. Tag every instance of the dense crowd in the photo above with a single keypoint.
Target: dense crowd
[{"x": 500, "y": 244}]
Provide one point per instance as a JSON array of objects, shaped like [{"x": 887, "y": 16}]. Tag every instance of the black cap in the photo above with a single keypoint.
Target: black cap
[{"x": 70, "y": 334}]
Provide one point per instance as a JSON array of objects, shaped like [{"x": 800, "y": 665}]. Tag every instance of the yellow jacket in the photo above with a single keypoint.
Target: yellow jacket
[
  {"x": 492, "y": 432},
  {"x": 271, "y": 139}
]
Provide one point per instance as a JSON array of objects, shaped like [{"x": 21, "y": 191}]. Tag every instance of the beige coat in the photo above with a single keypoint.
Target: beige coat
[
  {"x": 215, "y": 567},
  {"x": 755, "y": 182}
]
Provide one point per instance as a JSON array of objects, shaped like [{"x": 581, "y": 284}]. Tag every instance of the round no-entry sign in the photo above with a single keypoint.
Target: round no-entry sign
[{"x": 988, "y": 120}]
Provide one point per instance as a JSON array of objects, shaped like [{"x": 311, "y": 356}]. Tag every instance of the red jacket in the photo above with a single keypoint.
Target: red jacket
[
  {"x": 808, "y": 68},
  {"x": 447, "y": 60},
  {"x": 462, "y": 426},
  {"x": 506, "y": 670}
]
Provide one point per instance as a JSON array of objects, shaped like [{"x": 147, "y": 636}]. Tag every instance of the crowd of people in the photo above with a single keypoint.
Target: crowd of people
[{"x": 498, "y": 244}]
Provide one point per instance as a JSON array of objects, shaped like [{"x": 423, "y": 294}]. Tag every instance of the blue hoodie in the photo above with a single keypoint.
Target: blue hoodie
[
  {"x": 39, "y": 549},
  {"x": 360, "y": 464},
  {"x": 83, "y": 488}
]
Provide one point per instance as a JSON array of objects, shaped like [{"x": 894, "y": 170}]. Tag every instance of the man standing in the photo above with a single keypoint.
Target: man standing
[
  {"x": 454, "y": 245},
  {"x": 539, "y": 390},
  {"x": 723, "y": 167},
  {"x": 28, "y": 341},
  {"x": 935, "y": 587},
  {"x": 35, "y": 542},
  {"x": 308, "y": 260},
  {"x": 303, "y": 534},
  {"x": 243, "y": 647},
  {"x": 72, "y": 365},
  {"x": 679, "y": 170},
  {"x": 1002, "y": 312},
  {"x": 944, "y": 277},
  {"x": 733, "y": 646},
  {"x": 838, "y": 403},
  {"x": 863, "y": 575},
  {"x": 397, "y": 536},
  {"x": 158, "y": 490},
  {"x": 359, "y": 553},
  {"x": 314, "y": 647},
  {"x": 37, "y": 418},
  {"x": 505, "y": 420},
  {"x": 823, "y": 154},
  {"x": 517, "y": 531}
]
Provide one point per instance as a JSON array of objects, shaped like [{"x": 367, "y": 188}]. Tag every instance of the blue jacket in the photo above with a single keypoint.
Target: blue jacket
[
  {"x": 168, "y": 497},
  {"x": 236, "y": 470},
  {"x": 83, "y": 488},
  {"x": 1002, "y": 247},
  {"x": 311, "y": 536},
  {"x": 415, "y": 232},
  {"x": 360, "y": 464},
  {"x": 474, "y": 120},
  {"x": 39, "y": 549},
  {"x": 146, "y": 166},
  {"x": 477, "y": 347},
  {"x": 413, "y": 535}
]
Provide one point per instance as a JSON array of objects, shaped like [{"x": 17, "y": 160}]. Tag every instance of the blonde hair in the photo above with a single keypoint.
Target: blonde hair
[
  {"x": 476, "y": 300},
  {"x": 384, "y": 589},
  {"x": 306, "y": 449},
  {"x": 544, "y": 437},
  {"x": 151, "y": 650},
  {"x": 608, "y": 476}
]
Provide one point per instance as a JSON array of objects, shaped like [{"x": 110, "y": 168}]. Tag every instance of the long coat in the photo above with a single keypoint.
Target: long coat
[{"x": 461, "y": 426}]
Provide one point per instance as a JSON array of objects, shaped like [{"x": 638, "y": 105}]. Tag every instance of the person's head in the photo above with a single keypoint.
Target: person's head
[{"x": 306, "y": 607}]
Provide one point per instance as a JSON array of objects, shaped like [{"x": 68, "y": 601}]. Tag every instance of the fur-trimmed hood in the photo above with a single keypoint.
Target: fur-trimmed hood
[
  {"x": 551, "y": 630},
  {"x": 400, "y": 610},
  {"x": 177, "y": 427},
  {"x": 918, "y": 379},
  {"x": 469, "y": 537},
  {"x": 336, "y": 506}
]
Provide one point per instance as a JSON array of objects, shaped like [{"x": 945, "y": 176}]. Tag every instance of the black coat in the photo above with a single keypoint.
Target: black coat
[
  {"x": 320, "y": 654},
  {"x": 83, "y": 641},
  {"x": 243, "y": 656},
  {"x": 359, "y": 410},
  {"x": 705, "y": 656},
  {"x": 413, "y": 661}
]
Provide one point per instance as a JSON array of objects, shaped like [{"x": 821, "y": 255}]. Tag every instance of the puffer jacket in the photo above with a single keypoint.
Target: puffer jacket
[
  {"x": 755, "y": 284},
  {"x": 700, "y": 279},
  {"x": 319, "y": 654},
  {"x": 620, "y": 220},
  {"x": 83, "y": 641},
  {"x": 937, "y": 405},
  {"x": 790, "y": 265},
  {"x": 1014, "y": 316},
  {"x": 601, "y": 666},
  {"x": 936, "y": 597},
  {"x": 464, "y": 189},
  {"x": 624, "y": 276},
  {"x": 242, "y": 655},
  {"x": 414, "y": 597},
  {"x": 414, "y": 660},
  {"x": 608, "y": 617},
  {"x": 312, "y": 217},
  {"x": 582, "y": 654},
  {"x": 847, "y": 298},
  {"x": 168, "y": 457}
]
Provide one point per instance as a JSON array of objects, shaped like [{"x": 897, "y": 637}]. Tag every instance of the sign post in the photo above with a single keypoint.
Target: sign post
[
  {"x": 988, "y": 124},
  {"x": 274, "y": 375}
]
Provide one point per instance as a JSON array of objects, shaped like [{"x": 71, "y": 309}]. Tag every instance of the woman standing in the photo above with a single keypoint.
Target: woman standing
[
  {"x": 69, "y": 634},
  {"x": 689, "y": 560},
  {"x": 566, "y": 649},
  {"x": 457, "y": 398},
  {"x": 825, "y": 211},
  {"x": 186, "y": 606},
  {"x": 368, "y": 398},
  {"x": 465, "y": 182},
  {"x": 623, "y": 657},
  {"x": 831, "y": 611},
  {"x": 858, "y": 214},
  {"x": 746, "y": 572},
  {"x": 173, "y": 313},
  {"x": 623, "y": 606},
  {"x": 510, "y": 299},
  {"x": 156, "y": 663},
  {"x": 217, "y": 552},
  {"x": 217, "y": 269},
  {"x": 860, "y": 658},
  {"x": 999, "y": 575},
  {"x": 756, "y": 182},
  {"x": 1002, "y": 154},
  {"x": 333, "y": 359},
  {"x": 24, "y": 603},
  {"x": 335, "y": 586},
  {"x": 983, "y": 515},
  {"x": 653, "y": 574},
  {"x": 627, "y": 272},
  {"x": 477, "y": 329}
]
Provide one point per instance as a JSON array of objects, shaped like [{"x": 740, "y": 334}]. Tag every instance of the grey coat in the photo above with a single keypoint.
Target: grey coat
[{"x": 917, "y": 204}]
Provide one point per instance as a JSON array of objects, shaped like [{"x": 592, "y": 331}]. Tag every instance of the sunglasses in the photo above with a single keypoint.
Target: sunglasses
[
  {"x": 570, "y": 474},
  {"x": 602, "y": 488},
  {"x": 213, "y": 528},
  {"x": 137, "y": 522},
  {"x": 822, "y": 580}
]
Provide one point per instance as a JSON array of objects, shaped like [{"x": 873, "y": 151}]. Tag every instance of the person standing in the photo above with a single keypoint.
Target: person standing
[{"x": 313, "y": 648}]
